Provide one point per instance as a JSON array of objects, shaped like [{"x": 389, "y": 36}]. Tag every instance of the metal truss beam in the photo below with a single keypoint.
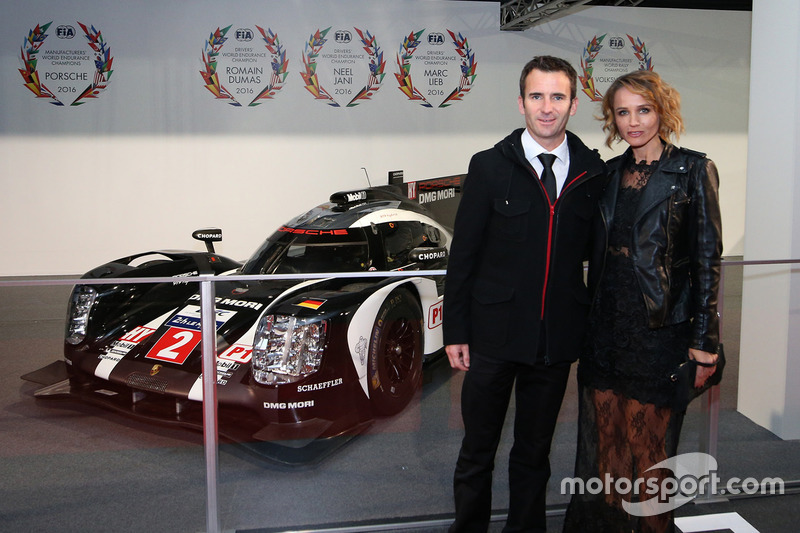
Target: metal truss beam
[{"x": 518, "y": 15}]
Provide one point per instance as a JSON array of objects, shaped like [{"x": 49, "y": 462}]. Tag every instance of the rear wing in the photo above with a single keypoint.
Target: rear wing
[{"x": 440, "y": 196}]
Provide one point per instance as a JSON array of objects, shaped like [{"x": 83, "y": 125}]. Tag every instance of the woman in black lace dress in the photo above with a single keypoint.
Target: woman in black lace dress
[{"x": 655, "y": 278}]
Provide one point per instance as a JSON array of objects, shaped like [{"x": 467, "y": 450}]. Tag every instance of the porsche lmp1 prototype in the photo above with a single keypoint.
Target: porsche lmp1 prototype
[{"x": 297, "y": 359}]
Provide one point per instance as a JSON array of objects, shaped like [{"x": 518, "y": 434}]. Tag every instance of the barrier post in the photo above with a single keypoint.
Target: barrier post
[
  {"x": 210, "y": 433},
  {"x": 709, "y": 407}
]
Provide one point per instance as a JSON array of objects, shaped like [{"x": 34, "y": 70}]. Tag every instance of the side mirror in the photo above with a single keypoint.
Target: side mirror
[{"x": 208, "y": 236}]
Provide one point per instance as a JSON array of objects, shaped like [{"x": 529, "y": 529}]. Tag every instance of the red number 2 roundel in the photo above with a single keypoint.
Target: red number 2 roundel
[{"x": 183, "y": 335}]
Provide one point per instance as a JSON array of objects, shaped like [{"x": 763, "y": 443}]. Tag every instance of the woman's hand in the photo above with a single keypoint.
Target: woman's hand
[{"x": 703, "y": 372}]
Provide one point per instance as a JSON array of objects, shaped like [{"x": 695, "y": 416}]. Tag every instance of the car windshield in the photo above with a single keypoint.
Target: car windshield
[{"x": 288, "y": 252}]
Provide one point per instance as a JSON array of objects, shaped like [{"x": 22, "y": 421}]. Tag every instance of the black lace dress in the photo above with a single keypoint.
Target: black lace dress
[{"x": 625, "y": 423}]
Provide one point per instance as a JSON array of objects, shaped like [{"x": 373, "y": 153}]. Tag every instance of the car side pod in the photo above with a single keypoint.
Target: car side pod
[{"x": 208, "y": 236}]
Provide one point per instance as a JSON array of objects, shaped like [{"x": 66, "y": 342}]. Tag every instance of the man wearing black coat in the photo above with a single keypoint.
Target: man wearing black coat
[{"x": 515, "y": 299}]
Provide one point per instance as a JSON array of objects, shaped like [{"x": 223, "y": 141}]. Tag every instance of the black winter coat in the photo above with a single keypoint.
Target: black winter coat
[
  {"x": 676, "y": 245},
  {"x": 516, "y": 264}
]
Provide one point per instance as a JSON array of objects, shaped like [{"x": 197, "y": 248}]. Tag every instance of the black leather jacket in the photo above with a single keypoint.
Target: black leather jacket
[{"x": 677, "y": 242}]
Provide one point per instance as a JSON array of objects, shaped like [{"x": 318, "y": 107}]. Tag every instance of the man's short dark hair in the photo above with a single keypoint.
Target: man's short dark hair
[{"x": 550, "y": 64}]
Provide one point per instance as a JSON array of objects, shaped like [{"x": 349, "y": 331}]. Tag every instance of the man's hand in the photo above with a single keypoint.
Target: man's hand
[{"x": 458, "y": 355}]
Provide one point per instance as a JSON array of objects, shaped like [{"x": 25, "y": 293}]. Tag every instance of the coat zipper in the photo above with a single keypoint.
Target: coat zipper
[{"x": 550, "y": 231}]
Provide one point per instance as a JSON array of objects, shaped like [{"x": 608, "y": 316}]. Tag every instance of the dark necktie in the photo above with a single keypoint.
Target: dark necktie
[{"x": 548, "y": 176}]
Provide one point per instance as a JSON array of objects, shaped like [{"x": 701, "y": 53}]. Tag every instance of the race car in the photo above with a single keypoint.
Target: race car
[{"x": 298, "y": 360}]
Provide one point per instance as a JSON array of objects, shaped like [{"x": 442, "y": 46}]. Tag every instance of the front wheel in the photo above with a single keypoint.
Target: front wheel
[{"x": 395, "y": 354}]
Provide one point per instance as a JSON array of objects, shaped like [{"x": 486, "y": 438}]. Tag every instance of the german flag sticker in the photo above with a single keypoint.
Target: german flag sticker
[{"x": 311, "y": 304}]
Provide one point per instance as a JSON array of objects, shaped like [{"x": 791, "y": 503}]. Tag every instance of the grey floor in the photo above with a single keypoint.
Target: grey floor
[{"x": 70, "y": 467}]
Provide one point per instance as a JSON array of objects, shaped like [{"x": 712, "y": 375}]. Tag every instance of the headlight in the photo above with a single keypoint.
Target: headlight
[
  {"x": 287, "y": 348},
  {"x": 80, "y": 305}
]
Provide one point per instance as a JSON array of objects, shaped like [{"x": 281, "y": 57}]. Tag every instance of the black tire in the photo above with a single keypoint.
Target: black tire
[{"x": 395, "y": 353}]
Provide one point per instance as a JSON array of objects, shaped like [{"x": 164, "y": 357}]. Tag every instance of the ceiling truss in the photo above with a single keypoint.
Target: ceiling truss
[{"x": 518, "y": 15}]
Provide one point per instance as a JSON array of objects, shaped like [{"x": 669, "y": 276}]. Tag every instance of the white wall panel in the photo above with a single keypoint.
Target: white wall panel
[{"x": 156, "y": 156}]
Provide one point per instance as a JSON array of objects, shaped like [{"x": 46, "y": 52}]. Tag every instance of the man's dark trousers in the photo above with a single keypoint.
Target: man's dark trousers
[{"x": 484, "y": 401}]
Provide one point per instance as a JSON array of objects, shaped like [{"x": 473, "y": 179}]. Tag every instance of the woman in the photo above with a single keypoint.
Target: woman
[{"x": 655, "y": 277}]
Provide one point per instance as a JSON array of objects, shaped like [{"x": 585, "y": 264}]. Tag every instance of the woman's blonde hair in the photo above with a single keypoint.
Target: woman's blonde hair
[{"x": 650, "y": 86}]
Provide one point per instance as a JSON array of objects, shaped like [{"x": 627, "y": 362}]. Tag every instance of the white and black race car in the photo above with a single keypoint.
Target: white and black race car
[{"x": 297, "y": 359}]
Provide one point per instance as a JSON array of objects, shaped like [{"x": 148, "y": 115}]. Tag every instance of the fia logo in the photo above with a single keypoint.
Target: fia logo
[
  {"x": 616, "y": 43},
  {"x": 436, "y": 39},
  {"x": 244, "y": 35},
  {"x": 343, "y": 36},
  {"x": 65, "y": 32}
]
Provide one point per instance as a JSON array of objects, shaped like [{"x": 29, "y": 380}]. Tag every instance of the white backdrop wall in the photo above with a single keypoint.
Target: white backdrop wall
[{"x": 156, "y": 155}]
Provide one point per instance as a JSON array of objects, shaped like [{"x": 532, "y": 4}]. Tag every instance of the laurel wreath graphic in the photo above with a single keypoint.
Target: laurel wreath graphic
[
  {"x": 102, "y": 63},
  {"x": 211, "y": 50},
  {"x": 403, "y": 75},
  {"x": 312, "y": 50},
  {"x": 468, "y": 68},
  {"x": 102, "y": 60},
  {"x": 404, "y": 55},
  {"x": 29, "y": 57},
  {"x": 279, "y": 65},
  {"x": 377, "y": 65},
  {"x": 589, "y": 55},
  {"x": 640, "y": 51}
]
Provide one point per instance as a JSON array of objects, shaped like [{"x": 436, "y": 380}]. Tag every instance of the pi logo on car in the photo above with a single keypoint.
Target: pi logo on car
[
  {"x": 183, "y": 335},
  {"x": 435, "y": 315},
  {"x": 238, "y": 353}
]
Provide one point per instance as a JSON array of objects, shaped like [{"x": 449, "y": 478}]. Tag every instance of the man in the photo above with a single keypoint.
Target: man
[{"x": 515, "y": 299}]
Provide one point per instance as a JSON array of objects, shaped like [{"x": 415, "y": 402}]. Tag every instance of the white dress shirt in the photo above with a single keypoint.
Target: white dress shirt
[{"x": 560, "y": 165}]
